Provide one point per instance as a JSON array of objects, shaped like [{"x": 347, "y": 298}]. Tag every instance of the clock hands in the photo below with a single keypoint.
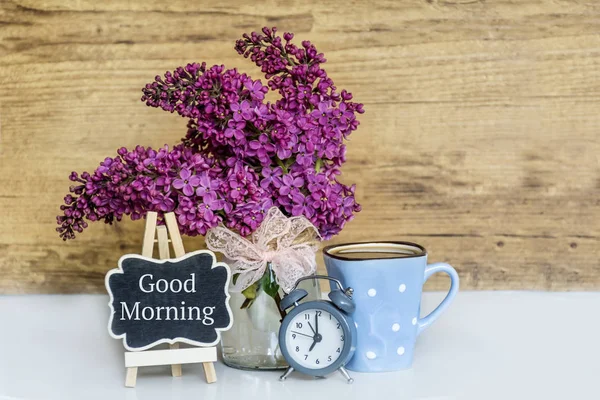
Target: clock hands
[
  {"x": 317, "y": 338},
  {"x": 303, "y": 334}
]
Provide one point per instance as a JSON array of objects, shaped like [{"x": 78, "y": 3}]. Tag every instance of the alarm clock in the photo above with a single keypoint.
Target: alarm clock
[{"x": 318, "y": 337}]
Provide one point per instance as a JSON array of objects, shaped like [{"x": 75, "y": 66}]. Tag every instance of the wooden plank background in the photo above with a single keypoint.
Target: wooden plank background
[{"x": 480, "y": 140}]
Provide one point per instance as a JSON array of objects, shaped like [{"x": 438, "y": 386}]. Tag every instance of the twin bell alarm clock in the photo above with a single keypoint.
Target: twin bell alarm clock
[{"x": 318, "y": 337}]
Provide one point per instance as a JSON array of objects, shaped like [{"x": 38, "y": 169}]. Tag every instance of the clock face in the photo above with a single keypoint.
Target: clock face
[{"x": 314, "y": 338}]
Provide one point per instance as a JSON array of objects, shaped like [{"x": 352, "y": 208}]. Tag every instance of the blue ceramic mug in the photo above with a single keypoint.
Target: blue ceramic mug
[{"x": 387, "y": 278}]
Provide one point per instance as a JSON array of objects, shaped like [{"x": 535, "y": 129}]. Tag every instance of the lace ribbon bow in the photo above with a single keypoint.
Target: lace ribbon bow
[{"x": 290, "y": 244}]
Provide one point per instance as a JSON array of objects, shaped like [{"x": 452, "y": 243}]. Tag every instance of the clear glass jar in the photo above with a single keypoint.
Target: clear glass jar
[{"x": 252, "y": 342}]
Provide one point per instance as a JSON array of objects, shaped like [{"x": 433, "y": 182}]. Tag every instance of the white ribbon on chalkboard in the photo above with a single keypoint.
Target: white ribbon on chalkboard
[{"x": 289, "y": 243}]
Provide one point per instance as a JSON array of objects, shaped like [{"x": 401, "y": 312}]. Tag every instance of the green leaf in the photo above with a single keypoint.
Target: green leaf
[
  {"x": 250, "y": 295},
  {"x": 268, "y": 283},
  {"x": 250, "y": 291},
  {"x": 282, "y": 165}
]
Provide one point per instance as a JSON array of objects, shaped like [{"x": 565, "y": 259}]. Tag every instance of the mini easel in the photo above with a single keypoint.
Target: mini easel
[{"x": 174, "y": 355}]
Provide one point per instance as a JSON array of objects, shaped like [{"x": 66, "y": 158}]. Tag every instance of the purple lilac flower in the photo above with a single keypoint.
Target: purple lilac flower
[
  {"x": 241, "y": 154},
  {"x": 241, "y": 111},
  {"x": 301, "y": 205},
  {"x": 235, "y": 130},
  {"x": 256, "y": 89},
  {"x": 262, "y": 149},
  {"x": 288, "y": 183},
  {"x": 162, "y": 201},
  {"x": 186, "y": 182},
  {"x": 270, "y": 176},
  {"x": 321, "y": 114},
  {"x": 206, "y": 185},
  {"x": 211, "y": 203},
  {"x": 263, "y": 113}
]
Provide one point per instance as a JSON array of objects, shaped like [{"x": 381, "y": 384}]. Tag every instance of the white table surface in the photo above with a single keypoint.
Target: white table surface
[{"x": 488, "y": 345}]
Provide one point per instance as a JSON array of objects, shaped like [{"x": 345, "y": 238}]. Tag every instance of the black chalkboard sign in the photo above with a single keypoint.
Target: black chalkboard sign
[{"x": 167, "y": 301}]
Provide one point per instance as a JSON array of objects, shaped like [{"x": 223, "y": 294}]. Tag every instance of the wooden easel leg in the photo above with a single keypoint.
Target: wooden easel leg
[
  {"x": 174, "y": 234},
  {"x": 131, "y": 377},
  {"x": 209, "y": 372},
  {"x": 163, "y": 253},
  {"x": 163, "y": 242},
  {"x": 175, "y": 368},
  {"x": 149, "y": 233}
]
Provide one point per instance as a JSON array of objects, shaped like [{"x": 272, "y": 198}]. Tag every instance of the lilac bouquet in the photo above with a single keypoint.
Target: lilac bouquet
[{"x": 241, "y": 155}]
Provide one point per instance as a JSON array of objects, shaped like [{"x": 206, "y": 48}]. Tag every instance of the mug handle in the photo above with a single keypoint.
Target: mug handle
[{"x": 430, "y": 270}]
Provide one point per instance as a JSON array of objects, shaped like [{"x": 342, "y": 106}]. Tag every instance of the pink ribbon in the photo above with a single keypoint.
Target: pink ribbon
[{"x": 290, "y": 244}]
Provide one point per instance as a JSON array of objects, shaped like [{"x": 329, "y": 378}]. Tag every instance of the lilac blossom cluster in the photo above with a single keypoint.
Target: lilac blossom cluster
[{"x": 241, "y": 155}]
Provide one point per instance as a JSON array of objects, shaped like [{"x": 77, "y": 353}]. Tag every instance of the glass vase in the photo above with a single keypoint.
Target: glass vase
[{"x": 252, "y": 342}]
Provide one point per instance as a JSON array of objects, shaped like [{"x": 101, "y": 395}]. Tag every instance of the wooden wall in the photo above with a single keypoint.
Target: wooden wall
[{"x": 481, "y": 138}]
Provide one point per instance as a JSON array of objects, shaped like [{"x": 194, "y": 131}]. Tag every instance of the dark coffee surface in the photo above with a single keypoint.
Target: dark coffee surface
[{"x": 368, "y": 255}]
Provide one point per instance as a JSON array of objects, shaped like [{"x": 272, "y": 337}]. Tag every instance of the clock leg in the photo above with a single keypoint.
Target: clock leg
[
  {"x": 286, "y": 374},
  {"x": 344, "y": 372}
]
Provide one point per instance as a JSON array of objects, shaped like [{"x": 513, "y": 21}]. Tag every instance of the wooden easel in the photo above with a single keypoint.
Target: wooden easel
[{"x": 206, "y": 355}]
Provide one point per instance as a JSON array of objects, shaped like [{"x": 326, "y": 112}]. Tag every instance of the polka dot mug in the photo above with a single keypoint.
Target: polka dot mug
[{"x": 387, "y": 278}]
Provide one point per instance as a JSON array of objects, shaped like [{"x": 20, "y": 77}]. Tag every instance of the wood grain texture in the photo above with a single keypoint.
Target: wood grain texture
[{"x": 481, "y": 138}]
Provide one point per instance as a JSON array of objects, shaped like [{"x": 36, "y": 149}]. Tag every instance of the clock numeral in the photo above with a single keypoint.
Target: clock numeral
[
  {"x": 306, "y": 356},
  {"x": 338, "y": 325},
  {"x": 338, "y": 350},
  {"x": 318, "y": 313},
  {"x": 293, "y": 336},
  {"x": 297, "y": 349},
  {"x": 299, "y": 325},
  {"x": 342, "y": 338},
  {"x": 329, "y": 316},
  {"x": 317, "y": 362},
  {"x": 329, "y": 358},
  {"x": 307, "y": 317}
]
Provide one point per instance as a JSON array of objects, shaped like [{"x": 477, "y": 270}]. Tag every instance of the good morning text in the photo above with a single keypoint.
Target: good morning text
[{"x": 180, "y": 312}]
